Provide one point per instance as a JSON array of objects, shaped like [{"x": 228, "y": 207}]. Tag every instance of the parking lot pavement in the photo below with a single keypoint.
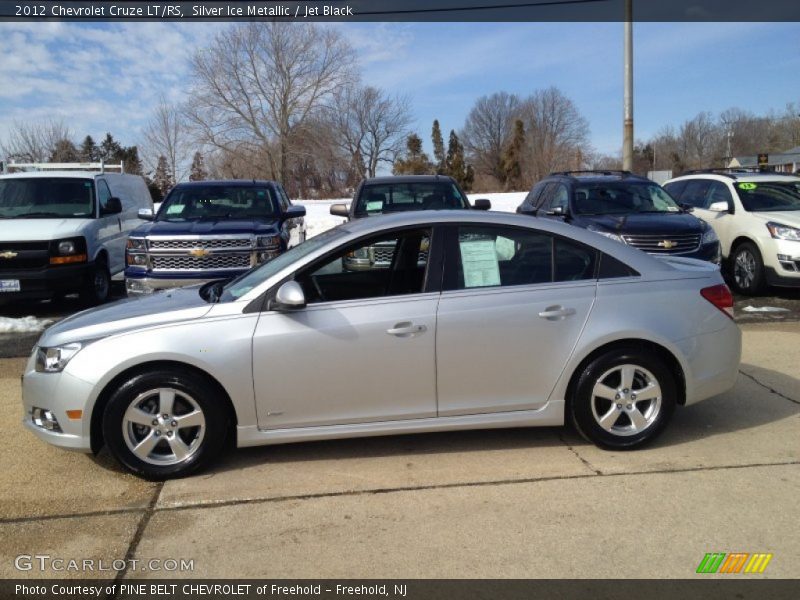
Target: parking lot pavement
[{"x": 724, "y": 477}]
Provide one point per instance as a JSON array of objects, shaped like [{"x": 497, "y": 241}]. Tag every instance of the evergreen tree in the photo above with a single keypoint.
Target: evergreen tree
[
  {"x": 456, "y": 165},
  {"x": 109, "y": 149},
  {"x": 89, "y": 151},
  {"x": 163, "y": 178},
  {"x": 438, "y": 147},
  {"x": 415, "y": 161},
  {"x": 198, "y": 172},
  {"x": 129, "y": 157},
  {"x": 155, "y": 192},
  {"x": 512, "y": 157}
]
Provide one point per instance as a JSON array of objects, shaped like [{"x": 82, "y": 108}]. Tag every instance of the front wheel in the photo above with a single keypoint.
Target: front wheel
[
  {"x": 748, "y": 269},
  {"x": 165, "y": 424},
  {"x": 624, "y": 399},
  {"x": 98, "y": 285}
]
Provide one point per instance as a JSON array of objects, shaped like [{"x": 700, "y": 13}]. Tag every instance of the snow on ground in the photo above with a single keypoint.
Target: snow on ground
[
  {"x": 23, "y": 324},
  {"x": 319, "y": 218}
]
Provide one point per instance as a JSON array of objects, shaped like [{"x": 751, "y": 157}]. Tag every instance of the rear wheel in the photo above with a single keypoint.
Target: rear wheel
[
  {"x": 747, "y": 269},
  {"x": 165, "y": 424},
  {"x": 624, "y": 399}
]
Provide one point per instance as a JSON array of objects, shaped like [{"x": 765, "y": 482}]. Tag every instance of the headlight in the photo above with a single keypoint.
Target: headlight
[
  {"x": 137, "y": 260},
  {"x": 608, "y": 234},
  {"x": 136, "y": 243},
  {"x": 66, "y": 247},
  {"x": 783, "y": 232},
  {"x": 709, "y": 236},
  {"x": 268, "y": 241},
  {"x": 68, "y": 251},
  {"x": 53, "y": 360}
]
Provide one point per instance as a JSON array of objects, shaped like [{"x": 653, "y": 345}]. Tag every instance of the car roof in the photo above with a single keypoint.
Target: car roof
[
  {"x": 598, "y": 176},
  {"x": 736, "y": 176},
  {"x": 407, "y": 179},
  {"x": 221, "y": 182}
]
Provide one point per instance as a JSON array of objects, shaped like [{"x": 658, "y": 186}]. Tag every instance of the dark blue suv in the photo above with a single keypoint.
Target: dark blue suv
[
  {"x": 625, "y": 207},
  {"x": 207, "y": 230}
]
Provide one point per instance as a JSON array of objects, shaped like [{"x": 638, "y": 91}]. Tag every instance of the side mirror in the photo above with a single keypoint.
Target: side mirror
[
  {"x": 290, "y": 296},
  {"x": 113, "y": 206},
  {"x": 340, "y": 210},
  {"x": 687, "y": 207},
  {"x": 482, "y": 204},
  {"x": 719, "y": 207},
  {"x": 295, "y": 212},
  {"x": 146, "y": 214},
  {"x": 557, "y": 211}
]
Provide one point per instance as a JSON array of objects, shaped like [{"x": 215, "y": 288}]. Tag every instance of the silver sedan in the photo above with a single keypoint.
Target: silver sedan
[{"x": 507, "y": 322}]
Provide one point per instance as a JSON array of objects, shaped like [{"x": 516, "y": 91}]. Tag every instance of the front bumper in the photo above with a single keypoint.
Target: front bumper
[
  {"x": 136, "y": 286},
  {"x": 58, "y": 393},
  {"x": 43, "y": 283}
]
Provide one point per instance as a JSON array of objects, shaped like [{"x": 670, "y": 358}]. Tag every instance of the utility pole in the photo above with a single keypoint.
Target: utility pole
[{"x": 627, "y": 126}]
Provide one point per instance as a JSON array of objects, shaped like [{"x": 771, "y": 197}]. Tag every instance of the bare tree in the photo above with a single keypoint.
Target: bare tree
[
  {"x": 258, "y": 84},
  {"x": 487, "y": 132},
  {"x": 557, "y": 135},
  {"x": 371, "y": 125},
  {"x": 35, "y": 142},
  {"x": 167, "y": 135}
]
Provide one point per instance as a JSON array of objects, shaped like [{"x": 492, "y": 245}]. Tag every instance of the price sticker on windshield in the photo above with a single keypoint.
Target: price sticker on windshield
[{"x": 749, "y": 187}]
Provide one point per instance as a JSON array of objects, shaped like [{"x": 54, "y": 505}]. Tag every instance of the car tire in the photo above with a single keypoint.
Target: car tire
[
  {"x": 165, "y": 424},
  {"x": 623, "y": 399},
  {"x": 97, "y": 288},
  {"x": 747, "y": 269}
]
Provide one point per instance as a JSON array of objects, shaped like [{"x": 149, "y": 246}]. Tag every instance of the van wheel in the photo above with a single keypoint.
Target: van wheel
[
  {"x": 747, "y": 269},
  {"x": 165, "y": 424},
  {"x": 623, "y": 399},
  {"x": 96, "y": 288}
]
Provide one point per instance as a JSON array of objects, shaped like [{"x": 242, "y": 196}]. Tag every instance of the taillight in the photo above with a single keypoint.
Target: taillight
[{"x": 720, "y": 296}]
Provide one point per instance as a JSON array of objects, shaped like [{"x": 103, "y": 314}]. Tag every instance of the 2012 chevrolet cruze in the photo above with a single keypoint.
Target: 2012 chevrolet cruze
[{"x": 509, "y": 321}]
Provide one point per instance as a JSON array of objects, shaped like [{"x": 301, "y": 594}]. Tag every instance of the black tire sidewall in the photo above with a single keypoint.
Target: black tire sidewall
[
  {"x": 758, "y": 279},
  {"x": 90, "y": 294},
  {"x": 215, "y": 416},
  {"x": 581, "y": 409}
]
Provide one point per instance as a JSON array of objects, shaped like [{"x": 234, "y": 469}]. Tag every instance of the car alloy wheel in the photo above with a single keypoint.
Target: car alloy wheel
[
  {"x": 748, "y": 269},
  {"x": 163, "y": 426},
  {"x": 626, "y": 400}
]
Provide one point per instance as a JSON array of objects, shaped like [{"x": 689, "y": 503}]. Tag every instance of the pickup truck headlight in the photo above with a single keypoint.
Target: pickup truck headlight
[
  {"x": 709, "y": 236},
  {"x": 783, "y": 232},
  {"x": 136, "y": 244},
  {"x": 268, "y": 241},
  {"x": 54, "y": 359}
]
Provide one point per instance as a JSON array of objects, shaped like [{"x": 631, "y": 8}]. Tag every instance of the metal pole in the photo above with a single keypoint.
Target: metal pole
[{"x": 627, "y": 126}]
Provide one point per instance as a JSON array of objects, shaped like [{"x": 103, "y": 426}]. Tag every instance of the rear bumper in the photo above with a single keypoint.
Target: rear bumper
[
  {"x": 43, "y": 283},
  {"x": 713, "y": 362}
]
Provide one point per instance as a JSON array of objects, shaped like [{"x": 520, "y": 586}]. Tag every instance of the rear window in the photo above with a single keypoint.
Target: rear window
[
  {"x": 44, "y": 197},
  {"x": 219, "y": 202},
  {"x": 395, "y": 197}
]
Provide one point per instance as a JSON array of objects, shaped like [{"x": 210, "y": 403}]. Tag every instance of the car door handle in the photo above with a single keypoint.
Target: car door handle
[
  {"x": 406, "y": 329},
  {"x": 556, "y": 313}
]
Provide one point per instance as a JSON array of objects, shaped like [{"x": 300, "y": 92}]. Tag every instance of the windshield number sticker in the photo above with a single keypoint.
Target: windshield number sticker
[{"x": 747, "y": 186}]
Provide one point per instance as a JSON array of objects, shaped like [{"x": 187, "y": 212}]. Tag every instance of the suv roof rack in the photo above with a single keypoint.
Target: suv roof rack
[
  {"x": 731, "y": 172},
  {"x": 65, "y": 166},
  {"x": 595, "y": 172}
]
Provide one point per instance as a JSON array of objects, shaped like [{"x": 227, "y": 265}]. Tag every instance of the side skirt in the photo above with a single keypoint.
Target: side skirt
[{"x": 551, "y": 414}]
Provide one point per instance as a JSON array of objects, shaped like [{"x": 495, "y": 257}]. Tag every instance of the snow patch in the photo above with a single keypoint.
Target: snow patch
[{"x": 23, "y": 324}]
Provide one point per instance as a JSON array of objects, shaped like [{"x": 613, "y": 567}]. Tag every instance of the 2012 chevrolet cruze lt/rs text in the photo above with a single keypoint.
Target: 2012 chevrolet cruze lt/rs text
[{"x": 506, "y": 321}]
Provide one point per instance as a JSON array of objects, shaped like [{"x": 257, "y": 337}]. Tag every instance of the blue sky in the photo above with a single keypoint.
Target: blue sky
[{"x": 107, "y": 77}]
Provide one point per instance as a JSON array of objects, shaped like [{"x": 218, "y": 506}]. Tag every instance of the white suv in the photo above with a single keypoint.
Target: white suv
[{"x": 757, "y": 219}]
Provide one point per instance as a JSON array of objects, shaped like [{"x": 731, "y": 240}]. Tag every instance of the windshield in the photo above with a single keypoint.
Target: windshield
[
  {"x": 623, "y": 198},
  {"x": 770, "y": 195},
  {"x": 43, "y": 197},
  {"x": 194, "y": 203},
  {"x": 237, "y": 288},
  {"x": 393, "y": 197}
]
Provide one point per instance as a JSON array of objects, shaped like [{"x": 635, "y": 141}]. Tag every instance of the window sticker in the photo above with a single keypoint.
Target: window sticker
[
  {"x": 505, "y": 248},
  {"x": 479, "y": 259},
  {"x": 374, "y": 205},
  {"x": 747, "y": 186}
]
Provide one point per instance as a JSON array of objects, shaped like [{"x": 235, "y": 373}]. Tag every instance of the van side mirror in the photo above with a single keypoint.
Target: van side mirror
[
  {"x": 146, "y": 214},
  {"x": 340, "y": 210},
  {"x": 113, "y": 206},
  {"x": 289, "y": 297},
  {"x": 482, "y": 204}
]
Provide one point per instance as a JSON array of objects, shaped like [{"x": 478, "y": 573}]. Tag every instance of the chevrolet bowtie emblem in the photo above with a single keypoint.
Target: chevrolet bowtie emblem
[
  {"x": 8, "y": 254},
  {"x": 199, "y": 252},
  {"x": 667, "y": 244}
]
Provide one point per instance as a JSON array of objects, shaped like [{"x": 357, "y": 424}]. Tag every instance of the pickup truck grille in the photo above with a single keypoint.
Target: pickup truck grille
[
  {"x": 665, "y": 244},
  {"x": 189, "y": 244},
  {"x": 210, "y": 262}
]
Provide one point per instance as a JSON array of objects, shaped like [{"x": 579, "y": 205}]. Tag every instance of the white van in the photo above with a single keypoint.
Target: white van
[{"x": 65, "y": 231}]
